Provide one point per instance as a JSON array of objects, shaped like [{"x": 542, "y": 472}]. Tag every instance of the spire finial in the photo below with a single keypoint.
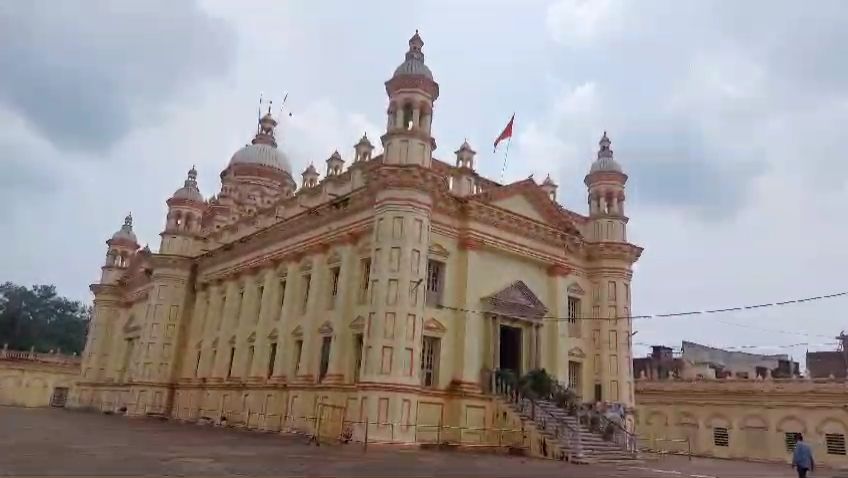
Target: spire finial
[{"x": 128, "y": 220}]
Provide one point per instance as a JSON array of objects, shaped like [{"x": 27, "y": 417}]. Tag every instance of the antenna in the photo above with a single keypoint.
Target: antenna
[{"x": 282, "y": 106}]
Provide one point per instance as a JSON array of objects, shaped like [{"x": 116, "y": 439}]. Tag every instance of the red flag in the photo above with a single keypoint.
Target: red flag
[{"x": 507, "y": 132}]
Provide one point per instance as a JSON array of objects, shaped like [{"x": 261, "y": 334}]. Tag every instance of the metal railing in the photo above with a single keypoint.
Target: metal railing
[
  {"x": 658, "y": 446},
  {"x": 504, "y": 384}
]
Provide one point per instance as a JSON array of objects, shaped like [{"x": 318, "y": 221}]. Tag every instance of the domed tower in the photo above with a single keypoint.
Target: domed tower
[
  {"x": 258, "y": 173},
  {"x": 462, "y": 177},
  {"x": 610, "y": 269},
  {"x": 185, "y": 212},
  {"x": 122, "y": 246},
  {"x": 606, "y": 182},
  {"x": 401, "y": 238},
  {"x": 550, "y": 187},
  {"x": 412, "y": 92},
  {"x": 363, "y": 149}
]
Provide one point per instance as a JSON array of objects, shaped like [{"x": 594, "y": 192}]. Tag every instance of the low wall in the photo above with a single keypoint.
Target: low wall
[
  {"x": 29, "y": 379},
  {"x": 744, "y": 419}
]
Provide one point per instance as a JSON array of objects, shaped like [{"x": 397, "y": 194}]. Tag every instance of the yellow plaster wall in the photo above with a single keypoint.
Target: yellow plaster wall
[
  {"x": 756, "y": 413},
  {"x": 31, "y": 384}
]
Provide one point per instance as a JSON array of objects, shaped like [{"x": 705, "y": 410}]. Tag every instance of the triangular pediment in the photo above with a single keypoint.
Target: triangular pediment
[
  {"x": 232, "y": 340},
  {"x": 516, "y": 300},
  {"x": 326, "y": 328},
  {"x": 273, "y": 335},
  {"x": 252, "y": 338},
  {"x": 575, "y": 289},
  {"x": 576, "y": 352},
  {"x": 433, "y": 326},
  {"x": 530, "y": 202},
  {"x": 519, "y": 204},
  {"x": 438, "y": 250},
  {"x": 358, "y": 323},
  {"x": 298, "y": 331}
]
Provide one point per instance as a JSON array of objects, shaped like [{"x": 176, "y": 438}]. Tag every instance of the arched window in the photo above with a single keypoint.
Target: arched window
[{"x": 407, "y": 116}]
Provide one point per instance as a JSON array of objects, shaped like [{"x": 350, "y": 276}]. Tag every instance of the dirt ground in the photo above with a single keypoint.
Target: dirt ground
[{"x": 60, "y": 442}]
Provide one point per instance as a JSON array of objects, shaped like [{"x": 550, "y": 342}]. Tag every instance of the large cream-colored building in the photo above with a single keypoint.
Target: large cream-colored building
[{"x": 389, "y": 288}]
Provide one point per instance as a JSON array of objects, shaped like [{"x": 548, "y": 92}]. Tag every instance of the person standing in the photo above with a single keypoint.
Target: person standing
[{"x": 802, "y": 457}]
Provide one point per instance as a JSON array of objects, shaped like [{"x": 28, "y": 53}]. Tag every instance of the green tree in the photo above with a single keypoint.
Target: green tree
[{"x": 39, "y": 318}]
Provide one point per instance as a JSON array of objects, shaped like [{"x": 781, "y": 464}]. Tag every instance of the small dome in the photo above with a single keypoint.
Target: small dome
[
  {"x": 189, "y": 190},
  {"x": 125, "y": 233},
  {"x": 262, "y": 154},
  {"x": 414, "y": 63},
  {"x": 605, "y": 162},
  {"x": 413, "y": 66}
]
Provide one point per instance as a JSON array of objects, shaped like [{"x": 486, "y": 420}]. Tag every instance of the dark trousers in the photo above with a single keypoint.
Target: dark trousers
[{"x": 802, "y": 472}]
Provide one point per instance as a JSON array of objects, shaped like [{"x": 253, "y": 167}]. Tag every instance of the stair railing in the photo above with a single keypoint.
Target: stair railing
[{"x": 504, "y": 383}]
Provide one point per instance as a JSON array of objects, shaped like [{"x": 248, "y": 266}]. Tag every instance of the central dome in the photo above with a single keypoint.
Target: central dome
[
  {"x": 414, "y": 65},
  {"x": 263, "y": 155}
]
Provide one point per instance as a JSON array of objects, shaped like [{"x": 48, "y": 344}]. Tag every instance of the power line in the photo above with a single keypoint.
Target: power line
[
  {"x": 733, "y": 348},
  {"x": 676, "y": 314}
]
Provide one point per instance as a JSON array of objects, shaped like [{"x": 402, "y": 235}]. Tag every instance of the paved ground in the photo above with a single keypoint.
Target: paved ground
[{"x": 53, "y": 442}]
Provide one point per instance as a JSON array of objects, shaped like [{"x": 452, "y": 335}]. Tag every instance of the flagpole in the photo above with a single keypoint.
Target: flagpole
[{"x": 506, "y": 155}]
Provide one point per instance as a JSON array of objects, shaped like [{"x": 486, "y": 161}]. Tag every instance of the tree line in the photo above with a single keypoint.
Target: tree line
[{"x": 39, "y": 318}]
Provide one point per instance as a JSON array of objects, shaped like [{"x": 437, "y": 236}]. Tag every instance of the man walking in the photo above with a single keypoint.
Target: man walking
[{"x": 802, "y": 457}]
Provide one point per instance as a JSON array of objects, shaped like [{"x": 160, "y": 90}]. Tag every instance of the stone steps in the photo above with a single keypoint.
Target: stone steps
[{"x": 592, "y": 445}]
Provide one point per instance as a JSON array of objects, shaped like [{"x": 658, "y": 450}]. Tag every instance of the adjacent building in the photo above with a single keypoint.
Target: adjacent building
[
  {"x": 714, "y": 402},
  {"x": 388, "y": 289}
]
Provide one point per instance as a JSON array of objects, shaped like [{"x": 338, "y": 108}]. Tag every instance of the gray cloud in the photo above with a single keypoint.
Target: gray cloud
[
  {"x": 84, "y": 74},
  {"x": 698, "y": 98}
]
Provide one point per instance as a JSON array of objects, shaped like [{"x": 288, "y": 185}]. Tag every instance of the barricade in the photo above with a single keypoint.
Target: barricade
[
  {"x": 666, "y": 446},
  {"x": 329, "y": 426}
]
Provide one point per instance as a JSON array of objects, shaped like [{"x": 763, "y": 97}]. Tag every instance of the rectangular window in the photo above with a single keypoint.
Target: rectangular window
[
  {"x": 334, "y": 285},
  {"x": 611, "y": 291},
  {"x": 282, "y": 299},
  {"x": 230, "y": 365},
  {"x": 212, "y": 362},
  {"x": 307, "y": 282},
  {"x": 721, "y": 437},
  {"x": 835, "y": 443},
  {"x": 359, "y": 341},
  {"x": 326, "y": 343},
  {"x": 435, "y": 282},
  {"x": 272, "y": 359},
  {"x": 791, "y": 439},
  {"x": 574, "y": 317},
  {"x": 239, "y": 307},
  {"x": 298, "y": 353},
  {"x": 365, "y": 270},
  {"x": 251, "y": 351},
  {"x": 197, "y": 364},
  {"x": 257, "y": 308},
  {"x": 575, "y": 374},
  {"x": 430, "y": 361}
]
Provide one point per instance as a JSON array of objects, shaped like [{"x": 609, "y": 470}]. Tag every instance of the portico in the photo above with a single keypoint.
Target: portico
[{"x": 513, "y": 320}]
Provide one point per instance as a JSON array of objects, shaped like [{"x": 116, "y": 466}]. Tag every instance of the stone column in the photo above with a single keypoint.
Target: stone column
[
  {"x": 314, "y": 317},
  {"x": 267, "y": 309},
  {"x": 345, "y": 296},
  {"x": 496, "y": 341},
  {"x": 287, "y": 271},
  {"x": 231, "y": 290}
]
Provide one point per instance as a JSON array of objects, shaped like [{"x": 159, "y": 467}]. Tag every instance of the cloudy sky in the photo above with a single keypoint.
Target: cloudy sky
[{"x": 726, "y": 115}]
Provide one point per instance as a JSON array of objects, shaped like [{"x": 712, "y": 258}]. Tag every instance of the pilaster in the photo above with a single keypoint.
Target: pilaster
[
  {"x": 267, "y": 311},
  {"x": 287, "y": 273},
  {"x": 342, "y": 338},
  {"x": 556, "y": 332},
  {"x": 472, "y": 348}
]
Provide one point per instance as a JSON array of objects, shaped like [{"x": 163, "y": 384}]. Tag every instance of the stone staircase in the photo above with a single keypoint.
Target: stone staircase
[{"x": 573, "y": 440}]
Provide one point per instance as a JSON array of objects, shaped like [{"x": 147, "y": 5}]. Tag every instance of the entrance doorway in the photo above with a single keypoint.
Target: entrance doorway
[{"x": 510, "y": 349}]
